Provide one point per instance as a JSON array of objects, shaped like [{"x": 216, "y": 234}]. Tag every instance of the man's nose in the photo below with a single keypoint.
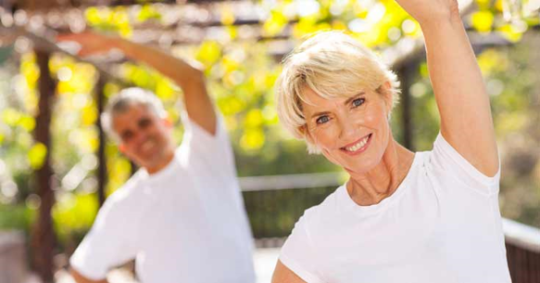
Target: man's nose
[{"x": 140, "y": 136}]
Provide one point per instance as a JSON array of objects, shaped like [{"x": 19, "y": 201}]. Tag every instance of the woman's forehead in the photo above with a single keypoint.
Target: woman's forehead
[{"x": 310, "y": 98}]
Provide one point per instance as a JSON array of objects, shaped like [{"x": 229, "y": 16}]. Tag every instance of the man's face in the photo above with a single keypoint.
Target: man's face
[{"x": 145, "y": 138}]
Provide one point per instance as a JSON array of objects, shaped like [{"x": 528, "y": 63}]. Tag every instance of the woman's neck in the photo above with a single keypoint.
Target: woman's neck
[{"x": 382, "y": 181}]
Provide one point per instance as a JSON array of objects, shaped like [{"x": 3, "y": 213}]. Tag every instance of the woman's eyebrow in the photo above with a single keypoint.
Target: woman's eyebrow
[
  {"x": 319, "y": 114},
  {"x": 354, "y": 97}
]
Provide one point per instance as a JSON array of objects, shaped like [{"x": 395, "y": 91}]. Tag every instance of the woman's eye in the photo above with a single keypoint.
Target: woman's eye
[
  {"x": 322, "y": 119},
  {"x": 357, "y": 102}
]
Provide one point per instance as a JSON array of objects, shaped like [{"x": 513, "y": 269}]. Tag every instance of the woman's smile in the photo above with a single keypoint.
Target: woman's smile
[{"x": 358, "y": 146}]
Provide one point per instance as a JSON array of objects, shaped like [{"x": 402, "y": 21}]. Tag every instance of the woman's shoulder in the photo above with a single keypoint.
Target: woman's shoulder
[{"x": 323, "y": 214}]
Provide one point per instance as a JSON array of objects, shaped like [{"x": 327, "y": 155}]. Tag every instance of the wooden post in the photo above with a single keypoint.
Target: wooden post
[
  {"x": 406, "y": 76},
  {"x": 43, "y": 239},
  {"x": 102, "y": 166}
]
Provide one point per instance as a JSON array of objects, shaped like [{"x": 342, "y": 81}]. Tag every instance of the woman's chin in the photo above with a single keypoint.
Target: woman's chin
[{"x": 359, "y": 167}]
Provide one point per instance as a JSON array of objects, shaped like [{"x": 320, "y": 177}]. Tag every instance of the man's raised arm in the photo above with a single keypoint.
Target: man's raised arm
[{"x": 190, "y": 79}]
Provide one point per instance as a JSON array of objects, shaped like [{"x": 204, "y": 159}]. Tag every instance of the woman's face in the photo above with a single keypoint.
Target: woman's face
[{"x": 351, "y": 132}]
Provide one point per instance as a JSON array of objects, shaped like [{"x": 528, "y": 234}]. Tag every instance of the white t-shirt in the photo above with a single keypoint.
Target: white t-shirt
[
  {"x": 186, "y": 223},
  {"x": 441, "y": 225}
]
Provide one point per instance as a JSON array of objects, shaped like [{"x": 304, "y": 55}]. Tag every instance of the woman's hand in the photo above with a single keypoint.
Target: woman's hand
[
  {"x": 91, "y": 43},
  {"x": 430, "y": 11}
]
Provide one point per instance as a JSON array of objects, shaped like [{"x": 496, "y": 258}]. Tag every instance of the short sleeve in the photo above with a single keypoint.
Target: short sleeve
[
  {"x": 107, "y": 245},
  {"x": 450, "y": 161},
  {"x": 298, "y": 254},
  {"x": 213, "y": 152}
]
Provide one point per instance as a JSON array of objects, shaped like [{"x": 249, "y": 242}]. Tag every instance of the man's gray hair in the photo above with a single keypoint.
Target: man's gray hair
[{"x": 123, "y": 101}]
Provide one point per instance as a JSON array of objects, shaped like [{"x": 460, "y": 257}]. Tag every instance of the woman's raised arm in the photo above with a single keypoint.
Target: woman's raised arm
[{"x": 466, "y": 121}]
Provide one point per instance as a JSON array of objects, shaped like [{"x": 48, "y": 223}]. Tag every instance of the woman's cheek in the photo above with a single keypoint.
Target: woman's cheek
[{"x": 325, "y": 138}]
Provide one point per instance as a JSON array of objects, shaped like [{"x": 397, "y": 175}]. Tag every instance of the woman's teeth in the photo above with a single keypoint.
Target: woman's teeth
[{"x": 358, "y": 145}]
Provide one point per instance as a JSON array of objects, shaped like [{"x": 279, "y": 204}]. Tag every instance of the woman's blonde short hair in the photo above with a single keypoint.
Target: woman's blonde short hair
[{"x": 331, "y": 64}]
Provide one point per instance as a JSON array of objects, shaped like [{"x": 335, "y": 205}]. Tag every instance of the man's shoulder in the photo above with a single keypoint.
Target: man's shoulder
[{"x": 128, "y": 195}]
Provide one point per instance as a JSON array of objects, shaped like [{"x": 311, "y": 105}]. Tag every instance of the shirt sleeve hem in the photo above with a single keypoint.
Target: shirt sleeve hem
[
  {"x": 195, "y": 130},
  {"x": 78, "y": 266},
  {"x": 298, "y": 270},
  {"x": 466, "y": 165}
]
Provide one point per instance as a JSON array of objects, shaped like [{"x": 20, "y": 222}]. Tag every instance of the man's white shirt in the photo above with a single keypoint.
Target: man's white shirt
[{"x": 185, "y": 223}]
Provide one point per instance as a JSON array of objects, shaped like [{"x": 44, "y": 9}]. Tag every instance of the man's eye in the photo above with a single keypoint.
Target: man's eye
[
  {"x": 144, "y": 123},
  {"x": 322, "y": 119},
  {"x": 357, "y": 102}
]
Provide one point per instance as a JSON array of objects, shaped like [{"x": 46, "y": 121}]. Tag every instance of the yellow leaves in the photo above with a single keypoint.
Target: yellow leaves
[
  {"x": 109, "y": 19},
  {"x": 231, "y": 105},
  {"x": 36, "y": 155},
  {"x": 491, "y": 61},
  {"x": 74, "y": 213},
  {"x": 165, "y": 89},
  {"x": 73, "y": 77},
  {"x": 84, "y": 139},
  {"x": 227, "y": 16},
  {"x": 512, "y": 32},
  {"x": 93, "y": 15},
  {"x": 122, "y": 171},
  {"x": 499, "y": 5},
  {"x": 511, "y": 121},
  {"x": 484, "y": 4},
  {"x": 89, "y": 115},
  {"x": 209, "y": 53},
  {"x": 338, "y": 25},
  {"x": 148, "y": 12},
  {"x": 482, "y": 21},
  {"x": 13, "y": 118},
  {"x": 28, "y": 123},
  {"x": 252, "y": 139},
  {"x": 275, "y": 24},
  {"x": 29, "y": 69},
  {"x": 410, "y": 28},
  {"x": 254, "y": 118},
  {"x": 10, "y": 116}
]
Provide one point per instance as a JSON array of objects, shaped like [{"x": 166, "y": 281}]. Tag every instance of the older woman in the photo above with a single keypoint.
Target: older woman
[{"x": 424, "y": 217}]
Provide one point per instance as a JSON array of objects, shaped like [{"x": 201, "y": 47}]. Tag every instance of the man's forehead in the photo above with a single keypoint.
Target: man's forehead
[
  {"x": 132, "y": 115},
  {"x": 134, "y": 110}
]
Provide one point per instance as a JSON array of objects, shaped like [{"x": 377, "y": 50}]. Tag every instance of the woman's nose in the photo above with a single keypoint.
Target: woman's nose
[{"x": 347, "y": 127}]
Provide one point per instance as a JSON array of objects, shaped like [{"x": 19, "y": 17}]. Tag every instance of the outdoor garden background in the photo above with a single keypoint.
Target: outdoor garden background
[{"x": 57, "y": 167}]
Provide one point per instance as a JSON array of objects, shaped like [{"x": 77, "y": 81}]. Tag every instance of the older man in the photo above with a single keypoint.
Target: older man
[{"x": 181, "y": 216}]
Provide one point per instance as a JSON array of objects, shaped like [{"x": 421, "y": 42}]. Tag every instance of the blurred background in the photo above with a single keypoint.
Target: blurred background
[{"x": 57, "y": 167}]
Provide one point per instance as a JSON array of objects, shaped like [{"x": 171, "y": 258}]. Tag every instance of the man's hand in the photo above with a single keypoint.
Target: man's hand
[{"x": 91, "y": 43}]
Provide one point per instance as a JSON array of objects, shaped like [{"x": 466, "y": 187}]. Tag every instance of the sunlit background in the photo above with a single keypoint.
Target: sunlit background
[{"x": 240, "y": 44}]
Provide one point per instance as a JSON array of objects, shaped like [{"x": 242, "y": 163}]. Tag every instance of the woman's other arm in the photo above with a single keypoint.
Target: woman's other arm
[{"x": 282, "y": 274}]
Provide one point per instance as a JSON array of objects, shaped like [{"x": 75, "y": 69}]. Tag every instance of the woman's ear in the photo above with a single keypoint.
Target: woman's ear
[{"x": 306, "y": 133}]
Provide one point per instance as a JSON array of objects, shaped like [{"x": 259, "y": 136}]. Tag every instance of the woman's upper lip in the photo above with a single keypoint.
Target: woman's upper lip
[{"x": 353, "y": 143}]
